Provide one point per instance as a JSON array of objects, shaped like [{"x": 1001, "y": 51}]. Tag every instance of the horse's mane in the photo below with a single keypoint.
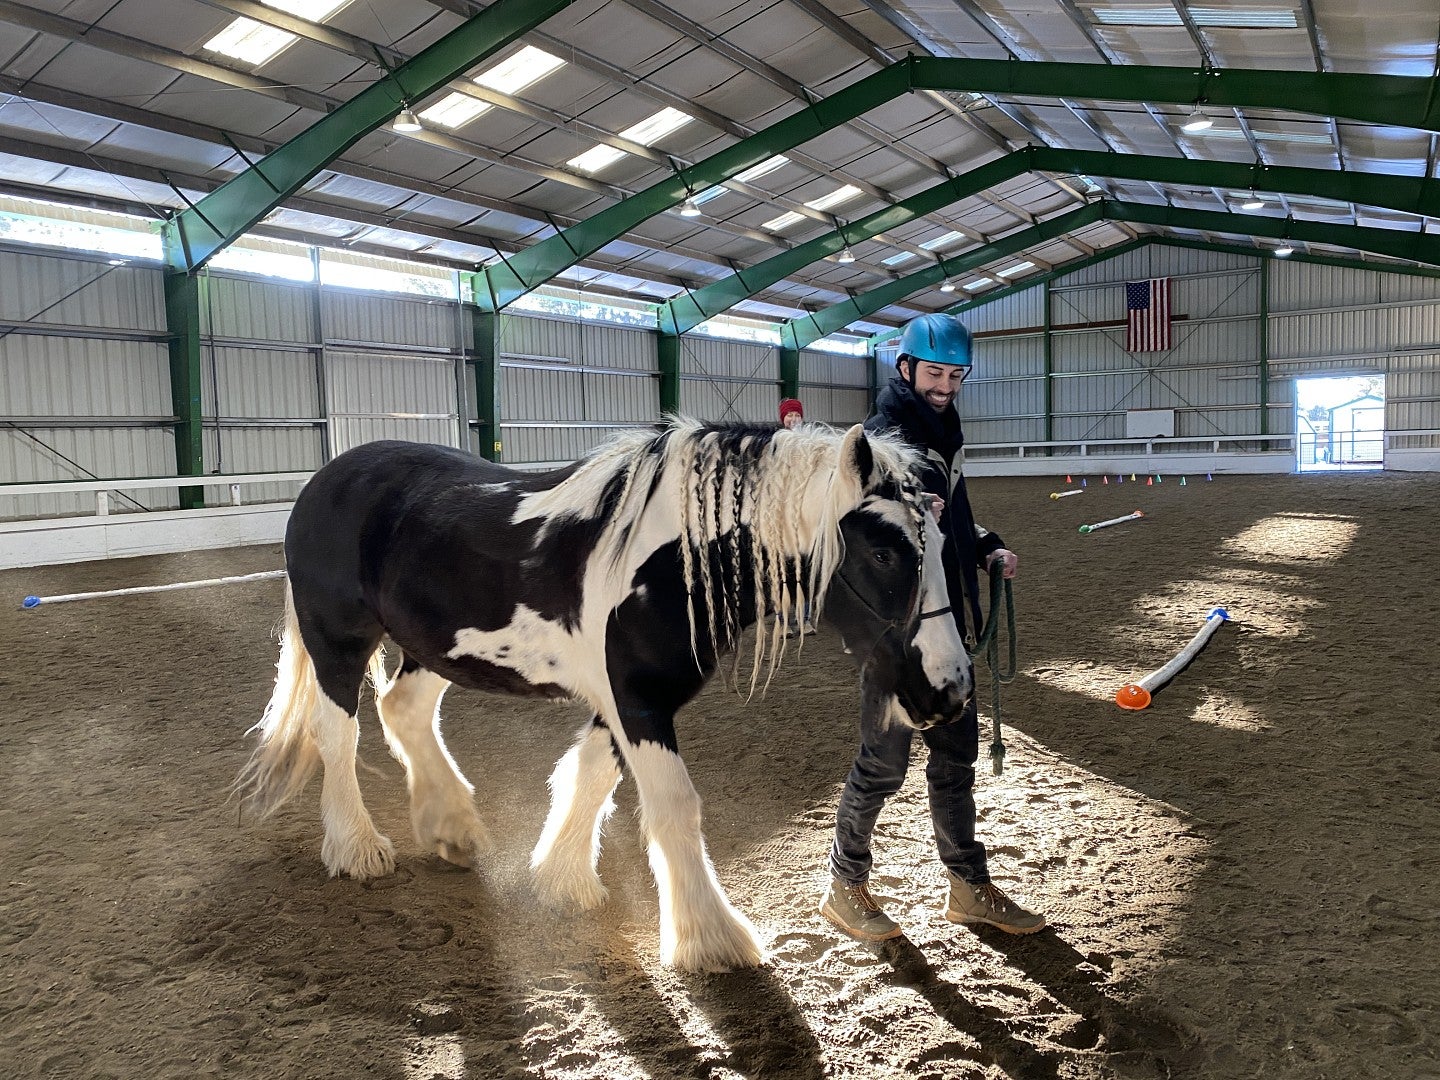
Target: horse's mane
[{"x": 762, "y": 477}]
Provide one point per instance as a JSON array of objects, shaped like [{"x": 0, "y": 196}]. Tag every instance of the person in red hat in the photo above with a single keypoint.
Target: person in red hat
[{"x": 792, "y": 413}]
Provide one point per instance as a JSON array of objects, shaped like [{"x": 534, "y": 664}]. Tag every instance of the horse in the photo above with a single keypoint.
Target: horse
[{"x": 619, "y": 581}]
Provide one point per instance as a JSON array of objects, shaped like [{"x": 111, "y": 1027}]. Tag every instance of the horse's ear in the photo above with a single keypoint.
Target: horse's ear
[{"x": 857, "y": 460}]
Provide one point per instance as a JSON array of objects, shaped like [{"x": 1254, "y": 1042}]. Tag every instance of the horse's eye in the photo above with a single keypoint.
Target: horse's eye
[{"x": 882, "y": 556}]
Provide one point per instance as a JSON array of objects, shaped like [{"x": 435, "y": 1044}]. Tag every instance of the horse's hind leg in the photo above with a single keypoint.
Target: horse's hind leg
[
  {"x": 569, "y": 847},
  {"x": 341, "y": 651},
  {"x": 442, "y": 807},
  {"x": 312, "y": 715}
]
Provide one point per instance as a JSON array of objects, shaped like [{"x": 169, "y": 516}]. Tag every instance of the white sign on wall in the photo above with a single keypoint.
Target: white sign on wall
[{"x": 1149, "y": 423}]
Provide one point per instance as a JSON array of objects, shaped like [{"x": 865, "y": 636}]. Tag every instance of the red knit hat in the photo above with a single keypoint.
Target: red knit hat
[{"x": 789, "y": 405}]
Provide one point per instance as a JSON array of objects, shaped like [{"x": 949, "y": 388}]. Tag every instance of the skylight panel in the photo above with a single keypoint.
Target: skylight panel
[
  {"x": 896, "y": 260},
  {"x": 1017, "y": 268},
  {"x": 655, "y": 127},
  {"x": 835, "y": 198},
  {"x": 1275, "y": 18},
  {"x": 454, "y": 109},
  {"x": 750, "y": 175},
  {"x": 596, "y": 158},
  {"x": 1304, "y": 137},
  {"x": 650, "y": 130},
  {"x": 249, "y": 41},
  {"x": 784, "y": 221},
  {"x": 314, "y": 10},
  {"x": 526, "y": 67},
  {"x": 943, "y": 241},
  {"x": 1146, "y": 15},
  {"x": 978, "y": 284}
]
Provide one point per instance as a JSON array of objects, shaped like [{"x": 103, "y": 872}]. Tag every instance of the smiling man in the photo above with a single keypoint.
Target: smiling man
[{"x": 919, "y": 405}]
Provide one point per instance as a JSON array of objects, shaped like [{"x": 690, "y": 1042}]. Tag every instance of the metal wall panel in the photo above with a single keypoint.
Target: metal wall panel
[
  {"x": 261, "y": 450},
  {"x": 1008, "y": 357},
  {"x": 57, "y": 376},
  {"x": 39, "y": 454},
  {"x": 265, "y": 383},
  {"x": 79, "y": 292},
  {"x": 1157, "y": 260},
  {"x": 833, "y": 369},
  {"x": 716, "y": 357},
  {"x": 1018, "y": 310},
  {"x": 368, "y": 317},
  {"x": 527, "y": 444},
  {"x": 708, "y": 399},
  {"x": 390, "y": 396},
  {"x": 256, "y": 310},
  {"x": 837, "y": 407}
]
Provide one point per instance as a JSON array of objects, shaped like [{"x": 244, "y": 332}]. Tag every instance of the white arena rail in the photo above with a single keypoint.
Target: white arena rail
[{"x": 107, "y": 535}]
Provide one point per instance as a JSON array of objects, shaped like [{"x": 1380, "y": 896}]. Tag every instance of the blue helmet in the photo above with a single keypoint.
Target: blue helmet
[{"x": 935, "y": 339}]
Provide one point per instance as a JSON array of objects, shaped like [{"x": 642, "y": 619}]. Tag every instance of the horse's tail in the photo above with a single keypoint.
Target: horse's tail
[{"x": 287, "y": 753}]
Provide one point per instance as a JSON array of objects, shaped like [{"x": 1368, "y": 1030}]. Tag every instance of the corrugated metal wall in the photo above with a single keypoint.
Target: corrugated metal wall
[
  {"x": 566, "y": 386},
  {"x": 292, "y": 374},
  {"x": 105, "y": 393}
]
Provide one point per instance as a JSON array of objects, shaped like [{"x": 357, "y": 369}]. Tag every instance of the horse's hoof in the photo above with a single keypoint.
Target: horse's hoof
[
  {"x": 360, "y": 861},
  {"x": 569, "y": 892},
  {"x": 456, "y": 855},
  {"x": 720, "y": 949}
]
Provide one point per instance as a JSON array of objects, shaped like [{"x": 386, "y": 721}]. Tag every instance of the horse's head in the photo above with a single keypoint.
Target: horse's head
[{"x": 889, "y": 600}]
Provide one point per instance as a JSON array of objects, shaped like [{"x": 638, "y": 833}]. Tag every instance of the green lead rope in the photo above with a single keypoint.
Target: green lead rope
[{"x": 989, "y": 642}]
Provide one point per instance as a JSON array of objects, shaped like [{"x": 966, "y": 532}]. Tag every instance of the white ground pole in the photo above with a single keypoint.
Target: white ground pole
[
  {"x": 1137, "y": 695},
  {"x": 1063, "y": 494},
  {"x": 1136, "y": 516},
  {"x": 64, "y": 598}
]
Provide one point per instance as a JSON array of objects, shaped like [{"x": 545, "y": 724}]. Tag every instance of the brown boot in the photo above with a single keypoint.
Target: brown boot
[
  {"x": 987, "y": 904},
  {"x": 852, "y": 910}
]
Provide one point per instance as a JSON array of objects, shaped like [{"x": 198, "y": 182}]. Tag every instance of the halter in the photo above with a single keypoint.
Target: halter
[{"x": 892, "y": 624}]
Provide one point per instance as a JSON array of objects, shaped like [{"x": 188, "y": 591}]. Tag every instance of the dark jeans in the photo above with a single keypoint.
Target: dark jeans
[{"x": 878, "y": 772}]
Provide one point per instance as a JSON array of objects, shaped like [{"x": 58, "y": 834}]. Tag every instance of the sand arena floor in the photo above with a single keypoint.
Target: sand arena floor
[{"x": 1241, "y": 879}]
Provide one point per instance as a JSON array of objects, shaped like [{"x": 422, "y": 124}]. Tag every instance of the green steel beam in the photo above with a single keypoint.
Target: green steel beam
[
  {"x": 1048, "y": 349},
  {"x": 194, "y": 235},
  {"x": 1265, "y": 349},
  {"x": 485, "y": 340},
  {"x": 1400, "y": 100},
  {"x": 1408, "y": 194},
  {"x": 667, "y": 355},
  {"x": 1392, "y": 100},
  {"x": 798, "y": 333},
  {"x": 1321, "y": 260},
  {"x": 789, "y": 372},
  {"x": 182, "y": 319},
  {"x": 1413, "y": 247}
]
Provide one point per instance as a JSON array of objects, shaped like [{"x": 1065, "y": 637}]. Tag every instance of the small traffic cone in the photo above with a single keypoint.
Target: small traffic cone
[
  {"x": 1105, "y": 479},
  {"x": 1132, "y": 476},
  {"x": 1159, "y": 479},
  {"x": 1208, "y": 476},
  {"x": 1083, "y": 482},
  {"x": 1182, "y": 481},
  {"x": 1119, "y": 479},
  {"x": 1067, "y": 479},
  {"x": 1149, "y": 481}
]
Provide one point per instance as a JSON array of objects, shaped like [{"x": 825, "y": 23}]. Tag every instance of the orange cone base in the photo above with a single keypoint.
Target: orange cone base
[{"x": 1132, "y": 697}]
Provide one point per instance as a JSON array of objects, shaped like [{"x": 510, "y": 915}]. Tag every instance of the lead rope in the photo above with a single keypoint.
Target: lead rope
[{"x": 989, "y": 642}]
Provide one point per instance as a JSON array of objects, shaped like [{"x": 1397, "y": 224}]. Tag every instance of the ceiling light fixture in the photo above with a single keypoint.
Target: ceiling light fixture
[
  {"x": 1284, "y": 250},
  {"x": 949, "y": 286},
  {"x": 846, "y": 256},
  {"x": 690, "y": 208},
  {"x": 406, "y": 120},
  {"x": 1197, "y": 121},
  {"x": 1252, "y": 203}
]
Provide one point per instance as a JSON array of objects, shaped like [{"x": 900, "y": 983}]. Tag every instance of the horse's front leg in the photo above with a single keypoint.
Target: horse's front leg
[
  {"x": 700, "y": 930},
  {"x": 569, "y": 847}
]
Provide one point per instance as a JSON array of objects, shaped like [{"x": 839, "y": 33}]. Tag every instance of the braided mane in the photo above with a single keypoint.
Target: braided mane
[{"x": 755, "y": 503}]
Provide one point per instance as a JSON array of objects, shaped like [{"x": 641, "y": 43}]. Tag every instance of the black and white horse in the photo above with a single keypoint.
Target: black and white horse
[{"x": 617, "y": 581}]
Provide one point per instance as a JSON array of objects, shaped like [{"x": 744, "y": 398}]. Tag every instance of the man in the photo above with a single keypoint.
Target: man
[{"x": 919, "y": 405}]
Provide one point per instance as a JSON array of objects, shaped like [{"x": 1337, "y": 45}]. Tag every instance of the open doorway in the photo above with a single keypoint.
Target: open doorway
[{"x": 1340, "y": 422}]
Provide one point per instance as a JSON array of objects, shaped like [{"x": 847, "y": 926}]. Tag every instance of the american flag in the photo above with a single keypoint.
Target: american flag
[{"x": 1147, "y": 315}]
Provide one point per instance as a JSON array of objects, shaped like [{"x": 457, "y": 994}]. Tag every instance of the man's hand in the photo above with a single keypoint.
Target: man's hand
[
  {"x": 1007, "y": 558},
  {"x": 937, "y": 505}
]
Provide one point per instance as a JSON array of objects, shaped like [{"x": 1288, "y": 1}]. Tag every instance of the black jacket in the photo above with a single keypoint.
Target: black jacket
[{"x": 967, "y": 544}]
